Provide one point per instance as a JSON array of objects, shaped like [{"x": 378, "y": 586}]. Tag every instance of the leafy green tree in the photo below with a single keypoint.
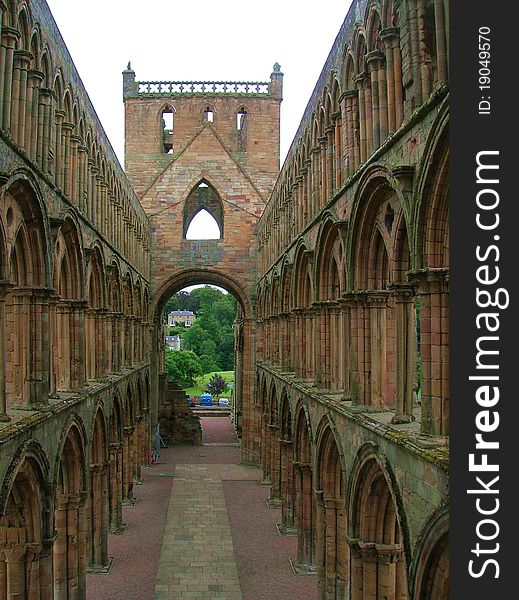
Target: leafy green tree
[
  {"x": 206, "y": 296},
  {"x": 208, "y": 363},
  {"x": 194, "y": 337},
  {"x": 211, "y": 337},
  {"x": 182, "y": 366},
  {"x": 216, "y": 385},
  {"x": 224, "y": 312},
  {"x": 226, "y": 350}
]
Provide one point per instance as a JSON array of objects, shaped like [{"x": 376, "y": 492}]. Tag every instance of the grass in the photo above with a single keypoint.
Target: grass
[{"x": 202, "y": 381}]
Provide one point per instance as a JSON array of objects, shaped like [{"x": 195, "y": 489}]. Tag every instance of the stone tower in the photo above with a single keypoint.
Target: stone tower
[{"x": 213, "y": 146}]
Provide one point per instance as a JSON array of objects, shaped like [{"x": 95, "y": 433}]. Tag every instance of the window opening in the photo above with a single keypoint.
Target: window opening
[
  {"x": 203, "y": 226},
  {"x": 241, "y": 117},
  {"x": 167, "y": 131},
  {"x": 208, "y": 115}
]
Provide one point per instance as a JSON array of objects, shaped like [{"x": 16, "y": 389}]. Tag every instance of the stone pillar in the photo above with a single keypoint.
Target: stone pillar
[
  {"x": 57, "y": 146},
  {"x": 330, "y": 548},
  {"x": 304, "y": 515},
  {"x": 44, "y": 129},
  {"x": 77, "y": 349},
  {"x": 352, "y": 142},
  {"x": 323, "y": 188},
  {"x": 374, "y": 61},
  {"x": 377, "y": 303},
  {"x": 287, "y": 487},
  {"x": 128, "y": 457},
  {"x": 5, "y": 286},
  {"x": 70, "y": 548},
  {"x": 72, "y": 183},
  {"x": 9, "y": 37},
  {"x": 98, "y": 556},
  {"x": 275, "y": 466},
  {"x": 320, "y": 543},
  {"x": 391, "y": 41},
  {"x": 39, "y": 349},
  {"x": 442, "y": 64},
  {"x": 35, "y": 80},
  {"x": 433, "y": 289},
  {"x": 405, "y": 352},
  {"x": 19, "y": 96},
  {"x": 137, "y": 472},
  {"x": 337, "y": 158},
  {"x": 116, "y": 488},
  {"x": 330, "y": 162},
  {"x": 347, "y": 363}
]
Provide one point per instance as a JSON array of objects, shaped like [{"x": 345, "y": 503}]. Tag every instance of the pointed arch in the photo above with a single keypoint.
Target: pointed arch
[
  {"x": 203, "y": 196},
  {"x": 377, "y": 527}
]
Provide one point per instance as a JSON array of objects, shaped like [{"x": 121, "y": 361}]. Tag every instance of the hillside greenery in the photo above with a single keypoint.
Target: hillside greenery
[{"x": 210, "y": 338}]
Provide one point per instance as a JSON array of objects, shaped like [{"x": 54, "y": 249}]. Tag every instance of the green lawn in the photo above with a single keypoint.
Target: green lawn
[{"x": 201, "y": 382}]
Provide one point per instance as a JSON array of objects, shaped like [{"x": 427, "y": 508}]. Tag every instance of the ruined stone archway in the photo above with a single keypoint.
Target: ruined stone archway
[{"x": 245, "y": 418}]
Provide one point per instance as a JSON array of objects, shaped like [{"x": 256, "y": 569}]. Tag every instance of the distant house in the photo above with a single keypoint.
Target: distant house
[
  {"x": 173, "y": 342},
  {"x": 181, "y": 316}
]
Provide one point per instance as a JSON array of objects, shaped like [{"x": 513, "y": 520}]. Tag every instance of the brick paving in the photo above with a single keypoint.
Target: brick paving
[
  {"x": 197, "y": 557},
  {"x": 200, "y": 530}
]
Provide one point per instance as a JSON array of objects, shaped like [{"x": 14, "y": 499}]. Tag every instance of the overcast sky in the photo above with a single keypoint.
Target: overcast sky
[{"x": 217, "y": 40}]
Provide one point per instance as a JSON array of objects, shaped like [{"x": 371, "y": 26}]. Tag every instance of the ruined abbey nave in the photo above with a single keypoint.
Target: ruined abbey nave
[{"x": 340, "y": 265}]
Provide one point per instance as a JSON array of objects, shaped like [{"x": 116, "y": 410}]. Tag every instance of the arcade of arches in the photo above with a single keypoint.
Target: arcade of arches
[{"x": 339, "y": 262}]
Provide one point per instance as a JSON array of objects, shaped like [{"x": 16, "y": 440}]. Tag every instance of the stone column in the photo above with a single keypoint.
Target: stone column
[
  {"x": 35, "y": 80},
  {"x": 347, "y": 364},
  {"x": 70, "y": 548},
  {"x": 330, "y": 162},
  {"x": 387, "y": 557},
  {"x": 275, "y": 466},
  {"x": 77, "y": 349},
  {"x": 304, "y": 515},
  {"x": 57, "y": 147},
  {"x": 405, "y": 352},
  {"x": 287, "y": 487},
  {"x": 441, "y": 40},
  {"x": 323, "y": 189},
  {"x": 320, "y": 543},
  {"x": 39, "y": 353},
  {"x": 44, "y": 129},
  {"x": 72, "y": 184},
  {"x": 390, "y": 38},
  {"x": 116, "y": 494},
  {"x": 128, "y": 457},
  {"x": 377, "y": 303},
  {"x": 338, "y": 158},
  {"x": 330, "y": 547},
  {"x": 5, "y": 286},
  {"x": 98, "y": 558},
  {"x": 433, "y": 291},
  {"x": 351, "y": 145},
  {"x": 9, "y": 37},
  {"x": 19, "y": 96}
]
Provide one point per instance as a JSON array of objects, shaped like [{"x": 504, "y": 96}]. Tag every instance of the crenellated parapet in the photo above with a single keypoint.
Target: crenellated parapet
[{"x": 165, "y": 89}]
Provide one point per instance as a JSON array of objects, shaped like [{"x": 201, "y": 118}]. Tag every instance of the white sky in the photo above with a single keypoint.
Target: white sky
[{"x": 213, "y": 40}]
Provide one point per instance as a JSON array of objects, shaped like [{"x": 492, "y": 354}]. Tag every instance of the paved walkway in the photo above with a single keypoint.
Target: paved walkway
[
  {"x": 197, "y": 556},
  {"x": 200, "y": 530}
]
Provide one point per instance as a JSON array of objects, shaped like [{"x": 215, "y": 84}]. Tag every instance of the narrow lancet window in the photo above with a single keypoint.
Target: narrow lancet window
[{"x": 167, "y": 131}]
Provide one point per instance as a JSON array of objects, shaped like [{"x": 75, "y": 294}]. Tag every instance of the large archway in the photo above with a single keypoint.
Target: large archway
[{"x": 245, "y": 418}]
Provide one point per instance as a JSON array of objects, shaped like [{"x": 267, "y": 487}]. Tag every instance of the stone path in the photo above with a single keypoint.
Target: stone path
[
  {"x": 197, "y": 556},
  {"x": 200, "y": 530}
]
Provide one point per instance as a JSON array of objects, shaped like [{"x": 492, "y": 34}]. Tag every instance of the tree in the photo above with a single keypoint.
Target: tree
[
  {"x": 216, "y": 385},
  {"x": 207, "y": 296},
  {"x": 194, "y": 337},
  {"x": 208, "y": 363},
  {"x": 182, "y": 366}
]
